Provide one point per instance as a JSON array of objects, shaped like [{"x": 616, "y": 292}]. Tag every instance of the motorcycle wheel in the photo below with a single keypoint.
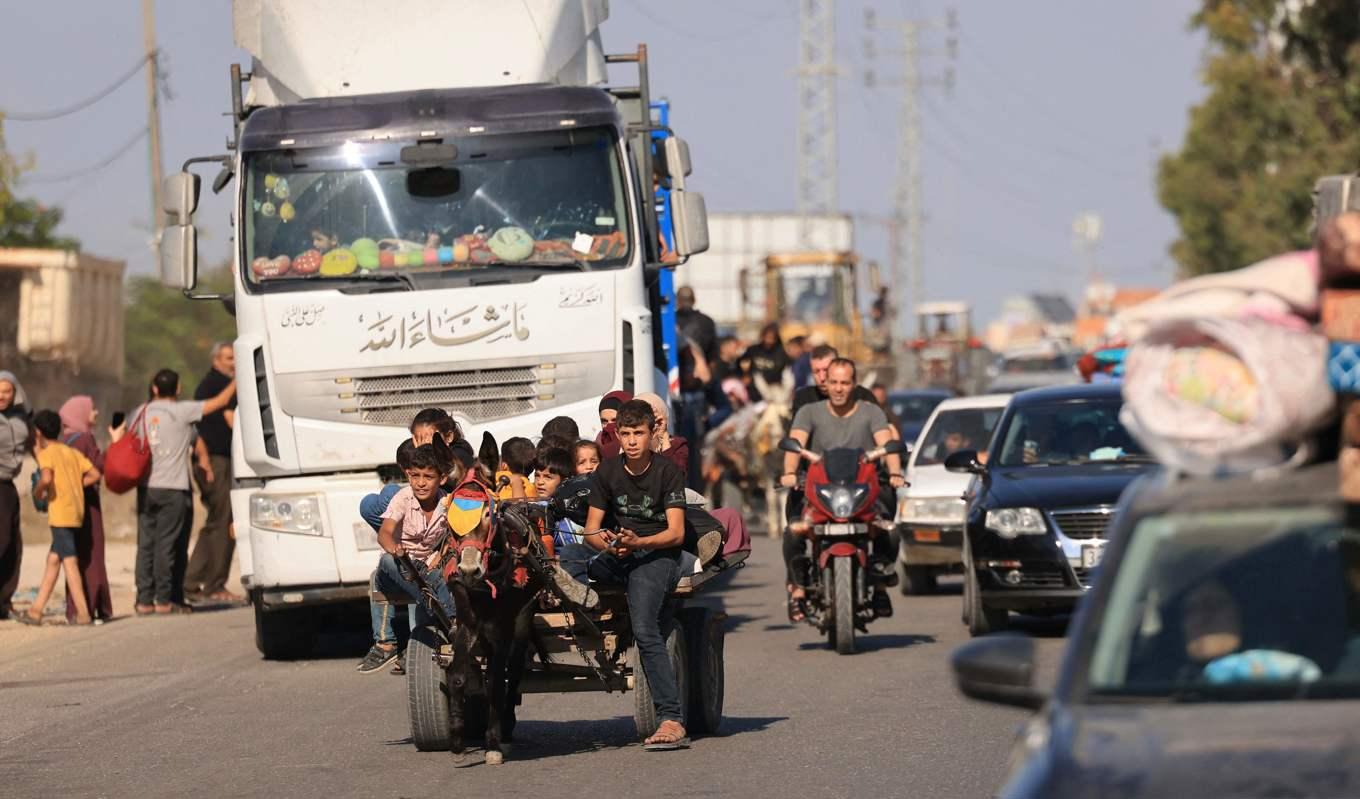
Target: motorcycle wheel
[{"x": 840, "y": 632}]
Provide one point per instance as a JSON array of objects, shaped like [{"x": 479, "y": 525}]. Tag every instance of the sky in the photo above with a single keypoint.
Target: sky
[{"x": 1057, "y": 108}]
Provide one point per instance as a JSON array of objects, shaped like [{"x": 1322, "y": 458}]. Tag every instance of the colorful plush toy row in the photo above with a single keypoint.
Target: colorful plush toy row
[{"x": 507, "y": 245}]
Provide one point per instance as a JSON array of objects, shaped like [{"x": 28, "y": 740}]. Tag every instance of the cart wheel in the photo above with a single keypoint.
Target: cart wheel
[
  {"x": 644, "y": 711},
  {"x": 426, "y": 700},
  {"x": 704, "y": 637}
]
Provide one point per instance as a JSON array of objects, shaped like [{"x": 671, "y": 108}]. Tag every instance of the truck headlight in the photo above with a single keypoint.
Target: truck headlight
[
  {"x": 936, "y": 510},
  {"x": 286, "y": 513},
  {"x": 1011, "y": 522}
]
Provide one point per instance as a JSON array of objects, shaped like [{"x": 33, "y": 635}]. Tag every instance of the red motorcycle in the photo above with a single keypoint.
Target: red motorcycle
[{"x": 842, "y": 517}]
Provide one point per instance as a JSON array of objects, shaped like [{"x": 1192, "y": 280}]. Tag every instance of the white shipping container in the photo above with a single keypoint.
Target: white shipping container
[
  {"x": 738, "y": 245},
  {"x": 70, "y": 309}
]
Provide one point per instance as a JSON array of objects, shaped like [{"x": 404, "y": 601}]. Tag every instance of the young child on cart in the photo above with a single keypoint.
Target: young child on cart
[
  {"x": 414, "y": 523},
  {"x": 643, "y": 496}
]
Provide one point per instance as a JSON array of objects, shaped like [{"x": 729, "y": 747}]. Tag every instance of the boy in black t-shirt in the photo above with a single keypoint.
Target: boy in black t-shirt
[{"x": 644, "y": 498}]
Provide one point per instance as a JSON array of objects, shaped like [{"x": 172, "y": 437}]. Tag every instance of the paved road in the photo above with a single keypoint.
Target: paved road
[{"x": 185, "y": 706}]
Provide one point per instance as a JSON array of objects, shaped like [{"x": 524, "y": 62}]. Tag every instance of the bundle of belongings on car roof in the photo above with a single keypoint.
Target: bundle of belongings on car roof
[
  {"x": 1227, "y": 372},
  {"x": 1338, "y": 244}
]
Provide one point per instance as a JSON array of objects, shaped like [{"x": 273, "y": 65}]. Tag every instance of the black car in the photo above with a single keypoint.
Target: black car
[
  {"x": 913, "y": 407},
  {"x": 1041, "y": 501},
  {"x": 1218, "y": 654}
]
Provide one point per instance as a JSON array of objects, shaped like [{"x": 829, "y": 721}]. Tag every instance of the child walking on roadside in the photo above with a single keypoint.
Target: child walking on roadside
[{"x": 65, "y": 474}]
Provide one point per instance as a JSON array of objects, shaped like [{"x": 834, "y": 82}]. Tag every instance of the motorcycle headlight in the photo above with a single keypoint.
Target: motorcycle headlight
[
  {"x": 286, "y": 513},
  {"x": 1011, "y": 522},
  {"x": 843, "y": 501},
  {"x": 938, "y": 510}
]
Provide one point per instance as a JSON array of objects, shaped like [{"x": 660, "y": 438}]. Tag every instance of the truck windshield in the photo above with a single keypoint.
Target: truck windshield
[
  {"x": 356, "y": 212},
  {"x": 813, "y": 294}
]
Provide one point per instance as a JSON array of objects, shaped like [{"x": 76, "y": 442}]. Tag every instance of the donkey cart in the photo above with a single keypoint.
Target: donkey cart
[{"x": 575, "y": 650}]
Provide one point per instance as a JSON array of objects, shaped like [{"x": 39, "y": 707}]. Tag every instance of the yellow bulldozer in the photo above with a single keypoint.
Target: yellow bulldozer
[{"x": 815, "y": 293}]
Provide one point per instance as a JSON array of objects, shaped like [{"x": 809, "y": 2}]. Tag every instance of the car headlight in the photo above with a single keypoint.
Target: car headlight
[
  {"x": 940, "y": 510},
  {"x": 1011, "y": 522},
  {"x": 286, "y": 513}
]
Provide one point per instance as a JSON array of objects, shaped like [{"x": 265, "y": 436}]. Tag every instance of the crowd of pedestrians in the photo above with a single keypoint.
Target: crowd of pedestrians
[{"x": 66, "y": 486}]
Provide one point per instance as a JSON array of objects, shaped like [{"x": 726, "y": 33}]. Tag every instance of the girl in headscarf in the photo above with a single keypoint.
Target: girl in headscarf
[
  {"x": 78, "y": 416},
  {"x": 673, "y": 448},
  {"x": 13, "y": 446}
]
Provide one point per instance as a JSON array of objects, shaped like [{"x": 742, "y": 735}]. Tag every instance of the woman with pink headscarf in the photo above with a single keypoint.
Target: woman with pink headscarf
[{"x": 78, "y": 416}]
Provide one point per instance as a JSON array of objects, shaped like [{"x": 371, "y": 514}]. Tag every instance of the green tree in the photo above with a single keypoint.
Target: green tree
[
  {"x": 1283, "y": 109},
  {"x": 165, "y": 330},
  {"x": 25, "y": 223}
]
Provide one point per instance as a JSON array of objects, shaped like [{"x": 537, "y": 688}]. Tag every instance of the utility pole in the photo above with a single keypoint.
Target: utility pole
[
  {"x": 153, "y": 111},
  {"x": 817, "y": 169},
  {"x": 905, "y": 231}
]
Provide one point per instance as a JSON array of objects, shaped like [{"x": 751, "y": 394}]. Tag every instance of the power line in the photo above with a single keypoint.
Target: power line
[
  {"x": 56, "y": 113},
  {"x": 62, "y": 177}
]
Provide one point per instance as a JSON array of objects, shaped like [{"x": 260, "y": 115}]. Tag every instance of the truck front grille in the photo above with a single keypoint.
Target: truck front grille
[{"x": 472, "y": 393}]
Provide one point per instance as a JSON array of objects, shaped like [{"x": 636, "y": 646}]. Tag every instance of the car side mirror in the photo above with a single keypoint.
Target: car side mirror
[
  {"x": 998, "y": 669},
  {"x": 965, "y": 461},
  {"x": 791, "y": 445}
]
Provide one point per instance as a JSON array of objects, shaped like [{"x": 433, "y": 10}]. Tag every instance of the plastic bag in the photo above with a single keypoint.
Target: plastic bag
[{"x": 1262, "y": 389}]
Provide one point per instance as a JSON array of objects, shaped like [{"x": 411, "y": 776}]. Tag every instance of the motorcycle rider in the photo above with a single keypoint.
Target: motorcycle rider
[{"x": 841, "y": 421}]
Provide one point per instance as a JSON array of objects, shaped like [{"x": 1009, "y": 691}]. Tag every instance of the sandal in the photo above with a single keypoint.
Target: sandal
[
  {"x": 29, "y": 619},
  {"x": 668, "y": 737},
  {"x": 144, "y": 610},
  {"x": 173, "y": 609}
]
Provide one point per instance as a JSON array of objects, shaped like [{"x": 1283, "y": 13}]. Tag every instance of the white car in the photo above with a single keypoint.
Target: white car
[{"x": 931, "y": 512}]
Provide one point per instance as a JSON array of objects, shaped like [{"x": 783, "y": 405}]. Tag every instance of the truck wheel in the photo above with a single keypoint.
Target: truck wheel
[
  {"x": 918, "y": 581},
  {"x": 284, "y": 634},
  {"x": 841, "y": 633},
  {"x": 427, "y": 703},
  {"x": 704, "y": 638},
  {"x": 644, "y": 711}
]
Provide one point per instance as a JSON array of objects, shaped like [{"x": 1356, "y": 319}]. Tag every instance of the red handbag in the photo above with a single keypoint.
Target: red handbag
[{"x": 128, "y": 460}]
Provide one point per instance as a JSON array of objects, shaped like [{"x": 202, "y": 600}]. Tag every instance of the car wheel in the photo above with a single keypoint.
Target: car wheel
[
  {"x": 918, "y": 581},
  {"x": 979, "y": 618}
]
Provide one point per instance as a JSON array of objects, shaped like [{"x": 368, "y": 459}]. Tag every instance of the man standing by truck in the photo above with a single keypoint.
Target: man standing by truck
[
  {"x": 165, "y": 510},
  {"x": 210, "y": 564}
]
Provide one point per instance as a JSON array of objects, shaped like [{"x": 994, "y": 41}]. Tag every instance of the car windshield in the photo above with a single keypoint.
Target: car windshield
[
  {"x": 1081, "y": 431},
  {"x": 914, "y": 407},
  {"x": 965, "y": 428},
  {"x": 508, "y": 202},
  {"x": 1234, "y": 605}
]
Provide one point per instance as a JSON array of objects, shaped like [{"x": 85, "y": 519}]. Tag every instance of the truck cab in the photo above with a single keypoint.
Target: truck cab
[{"x": 488, "y": 250}]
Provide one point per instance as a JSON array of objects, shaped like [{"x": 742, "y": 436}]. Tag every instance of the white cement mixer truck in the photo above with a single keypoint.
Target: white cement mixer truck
[{"x": 436, "y": 204}]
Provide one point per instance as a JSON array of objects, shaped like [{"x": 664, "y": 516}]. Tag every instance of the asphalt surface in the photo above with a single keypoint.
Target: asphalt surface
[{"x": 185, "y": 706}]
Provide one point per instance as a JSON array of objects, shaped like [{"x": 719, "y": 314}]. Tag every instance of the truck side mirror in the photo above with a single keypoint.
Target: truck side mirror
[
  {"x": 678, "y": 165},
  {"x": 179, "y": 256},
  {"x": 690, "y": 221},
  {"x": 179, "y": 196}
]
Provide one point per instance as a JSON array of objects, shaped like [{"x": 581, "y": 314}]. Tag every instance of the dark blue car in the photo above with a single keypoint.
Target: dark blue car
[
  {"x": 1218, "y": 654},
  {"x": 1041, "y": 501}
]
